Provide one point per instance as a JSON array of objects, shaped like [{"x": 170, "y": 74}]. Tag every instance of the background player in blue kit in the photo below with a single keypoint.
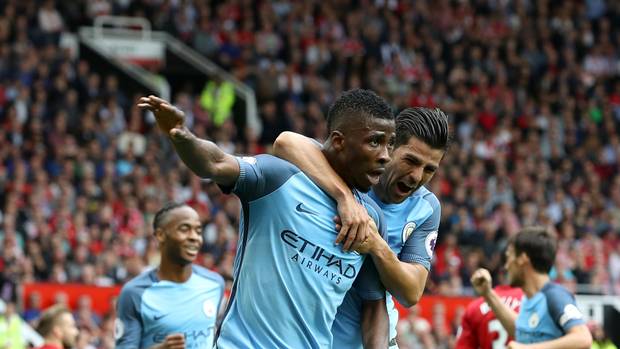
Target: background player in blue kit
[
  {"x": 176, "y": 305},
  {"x": 549, "y": 317},
  {"x": 412, "y": 212},
  {"x": 290, "y": 278}
]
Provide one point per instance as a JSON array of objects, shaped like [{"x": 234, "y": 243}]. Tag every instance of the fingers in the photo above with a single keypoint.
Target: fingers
[
  {"x": 175, "y": 341},
  {"x": 362, "y": 236},
  {"x": 158, "y": 100},
  {"x": 350, "y": 239},
  {"x": 344, "y": 229}
]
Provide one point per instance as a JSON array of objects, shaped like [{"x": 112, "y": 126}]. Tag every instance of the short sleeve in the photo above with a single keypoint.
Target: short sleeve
[
  {"x": 128, "y": 324},
  {"x": 420, "y": 245},
  {"x": 259, "y": 176},
  {"x": 563, "y": 308}
]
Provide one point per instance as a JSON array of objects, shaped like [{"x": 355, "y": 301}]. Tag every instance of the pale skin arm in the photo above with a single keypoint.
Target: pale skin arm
[
  {"x": 577, "y": 337},
  {"x": 405, "y": 281},
  {"x": 481, "y": 280},
  {"x": 375, "y": 324},
  {"x": 203, "y": 157},
  {"x": 306, "y": 154}
]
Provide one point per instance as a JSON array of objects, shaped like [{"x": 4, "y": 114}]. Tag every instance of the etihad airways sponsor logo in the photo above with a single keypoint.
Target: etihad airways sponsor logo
[{"x": 315, "y": 258}]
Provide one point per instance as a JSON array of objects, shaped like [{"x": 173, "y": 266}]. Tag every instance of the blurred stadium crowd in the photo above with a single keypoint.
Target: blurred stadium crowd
[{"x": 532, "y": 89}]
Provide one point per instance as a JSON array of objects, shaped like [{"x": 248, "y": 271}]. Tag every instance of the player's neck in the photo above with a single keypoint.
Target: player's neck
[
  {"x": 54, "y": 342},
  {"x": 174, "y": 272},
  {"x": 534, "y": 283},
  {"x": 338, "y": 166},
  {"x": 379, "y": 191}
]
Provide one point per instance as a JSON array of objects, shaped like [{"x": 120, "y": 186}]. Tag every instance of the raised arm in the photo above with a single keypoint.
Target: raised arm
[
  {"x": 481, "y": 280},
  {"x": 203, "y": 157},
  {"x": 306, "y": 154}
]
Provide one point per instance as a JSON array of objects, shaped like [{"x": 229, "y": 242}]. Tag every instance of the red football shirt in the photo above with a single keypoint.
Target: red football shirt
[{"x": 479, "y": 327}]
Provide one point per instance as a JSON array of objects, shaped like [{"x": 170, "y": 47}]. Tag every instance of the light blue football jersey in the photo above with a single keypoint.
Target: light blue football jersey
[
  {"x": 150, "y": 309},
  {"x": 412, "y": 234},
  {"x": 290, "y": 278},
  {"x": 548, "y": 315}
]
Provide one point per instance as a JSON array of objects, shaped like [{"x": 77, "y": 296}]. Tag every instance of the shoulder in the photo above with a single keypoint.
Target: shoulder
[
  {"x": 268, "y": 161},
  {"x": 132, "y": 291},
  {"x": 369, "y": 203},
  {"x": 374, "y": 211},
  {"x": 139, "y": 283},
  {"x": 208, "y": 275},
  {"x": 429, "y": 197},
  {"x": 555, "y": 292}
]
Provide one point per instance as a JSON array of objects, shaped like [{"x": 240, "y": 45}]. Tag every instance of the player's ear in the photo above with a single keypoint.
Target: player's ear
[
  {"x": 522, "y": 259},
  {"x": 160, "y": 235},
  {"x": 337, "y": 140}
]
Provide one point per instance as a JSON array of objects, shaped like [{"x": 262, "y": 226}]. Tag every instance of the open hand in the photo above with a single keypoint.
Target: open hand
[{"x": 170, "y": 119}]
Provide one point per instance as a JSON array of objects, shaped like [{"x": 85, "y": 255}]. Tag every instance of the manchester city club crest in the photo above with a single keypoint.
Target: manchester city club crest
[
  {"x": 533, "y": 320},
  {"x": 408, "y": 230},
  {"x": 209, "y": 308}
]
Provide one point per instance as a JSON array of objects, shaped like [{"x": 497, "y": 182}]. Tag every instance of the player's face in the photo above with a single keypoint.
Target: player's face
[
  {"x": 514, "y": 270},
  {"x": 69, "y": 330},
  {"x": 413, "y": 165},
  {"x": 367, "y": 151},
  {"x": 183, "y": 235}
]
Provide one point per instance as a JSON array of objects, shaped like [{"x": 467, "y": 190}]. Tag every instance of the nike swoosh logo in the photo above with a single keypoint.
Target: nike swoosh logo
[
  {"x": 158, "y": 317},
  {"x": 302, "y": 209}
]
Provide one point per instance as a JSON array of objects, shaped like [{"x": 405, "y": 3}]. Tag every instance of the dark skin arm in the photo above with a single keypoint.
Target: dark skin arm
[
  {"x": 203, "y": 157},
  {"x": 375, "y": 324}
]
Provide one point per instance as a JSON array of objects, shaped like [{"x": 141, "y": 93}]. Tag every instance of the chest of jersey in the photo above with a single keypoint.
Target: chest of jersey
[
  {"x": 189, "y": 308},
  {"x": 404, "y": 218},
  {"x": 534, "y": 323},
  {"x": 301, "y": 232}
]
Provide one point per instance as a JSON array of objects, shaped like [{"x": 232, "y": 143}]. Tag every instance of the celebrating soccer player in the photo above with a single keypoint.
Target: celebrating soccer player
[
  {"x": 290, "y": 278},
  {"x": 175, "y": 305}
]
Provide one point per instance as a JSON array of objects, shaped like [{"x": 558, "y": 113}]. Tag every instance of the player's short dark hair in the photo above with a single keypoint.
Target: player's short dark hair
[
  {"x": 49, "y": 319},
  {"x": 163, "y": 212},
  {"x": 428, "y": 125},
  {"x": 538, "y": 244},
  {"x": 357, "y": 103}
]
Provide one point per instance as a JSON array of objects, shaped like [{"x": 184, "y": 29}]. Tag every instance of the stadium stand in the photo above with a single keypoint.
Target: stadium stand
[{"x": 532, "y": 88}]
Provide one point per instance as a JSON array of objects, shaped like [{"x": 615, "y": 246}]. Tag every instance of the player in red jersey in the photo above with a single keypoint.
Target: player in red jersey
[{"x": 479, "y": 327}]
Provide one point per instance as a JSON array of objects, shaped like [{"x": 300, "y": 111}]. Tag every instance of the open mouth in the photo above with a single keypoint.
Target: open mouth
[
  {"x": 192, "y": 250},
  {"x": 375, "y": 175},
  {"x": 403, "y": 189}
]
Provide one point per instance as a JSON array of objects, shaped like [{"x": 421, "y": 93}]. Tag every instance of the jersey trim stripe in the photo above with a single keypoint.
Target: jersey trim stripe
[{"x": 233, "y": 292}]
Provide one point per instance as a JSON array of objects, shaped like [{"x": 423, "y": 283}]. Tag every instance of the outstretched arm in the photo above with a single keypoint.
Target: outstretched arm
[
  {"x": 306, "y": 154},
  {"x": 203, "y": 157}
]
